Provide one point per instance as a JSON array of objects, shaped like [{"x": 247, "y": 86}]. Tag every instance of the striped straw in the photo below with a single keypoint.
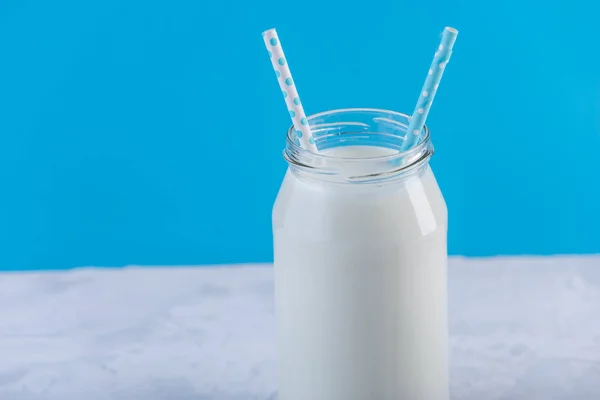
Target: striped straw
[
  {"x": 436, "y": 70},
  {"x": 288, "y": 88}
]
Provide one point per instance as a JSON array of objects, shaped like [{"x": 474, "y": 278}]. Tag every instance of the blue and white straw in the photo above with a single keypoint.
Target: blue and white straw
[
  {"x": 440, "y": 60},
  {"x": 288, "y": 88}
]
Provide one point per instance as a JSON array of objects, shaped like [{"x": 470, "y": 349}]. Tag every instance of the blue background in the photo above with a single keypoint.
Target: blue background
[{"x": 150, "y": 132}]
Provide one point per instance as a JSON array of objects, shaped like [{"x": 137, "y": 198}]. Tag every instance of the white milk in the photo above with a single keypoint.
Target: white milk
[{"x": 360, "y": 287}]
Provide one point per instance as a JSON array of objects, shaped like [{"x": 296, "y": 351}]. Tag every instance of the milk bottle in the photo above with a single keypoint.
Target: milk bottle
[{"x": 360, "y": 264}]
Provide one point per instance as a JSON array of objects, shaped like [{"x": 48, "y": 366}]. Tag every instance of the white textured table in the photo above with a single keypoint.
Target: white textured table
[{"x": 521, "y": 328}]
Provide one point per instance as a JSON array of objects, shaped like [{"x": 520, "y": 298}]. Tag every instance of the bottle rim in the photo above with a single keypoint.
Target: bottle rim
[{"x": 363, "y": 126}]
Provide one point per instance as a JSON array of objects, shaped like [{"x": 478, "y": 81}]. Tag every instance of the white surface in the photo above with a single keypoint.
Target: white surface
[{"x": 520, "y": 329}]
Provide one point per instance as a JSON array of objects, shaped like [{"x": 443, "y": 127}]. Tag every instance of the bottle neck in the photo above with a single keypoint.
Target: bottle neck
[{"x": 358, "y": 146}]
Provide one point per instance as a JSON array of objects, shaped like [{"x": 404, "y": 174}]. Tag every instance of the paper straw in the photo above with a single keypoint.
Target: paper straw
[
  {"x": 288, "y": 89},
  {"x": 436, "y": 70}
]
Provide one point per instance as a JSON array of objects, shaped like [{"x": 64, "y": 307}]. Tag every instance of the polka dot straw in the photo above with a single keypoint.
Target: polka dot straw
[
  {"x": 288, "y": 88},
  {"x": 434, "y": 75}
]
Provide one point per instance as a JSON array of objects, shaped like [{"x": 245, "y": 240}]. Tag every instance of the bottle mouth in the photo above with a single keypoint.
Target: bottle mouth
[{"x": 372, "y": 128}]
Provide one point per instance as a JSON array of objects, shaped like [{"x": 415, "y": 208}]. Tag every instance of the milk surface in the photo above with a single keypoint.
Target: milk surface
[{"x": 360, "y": 286}]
